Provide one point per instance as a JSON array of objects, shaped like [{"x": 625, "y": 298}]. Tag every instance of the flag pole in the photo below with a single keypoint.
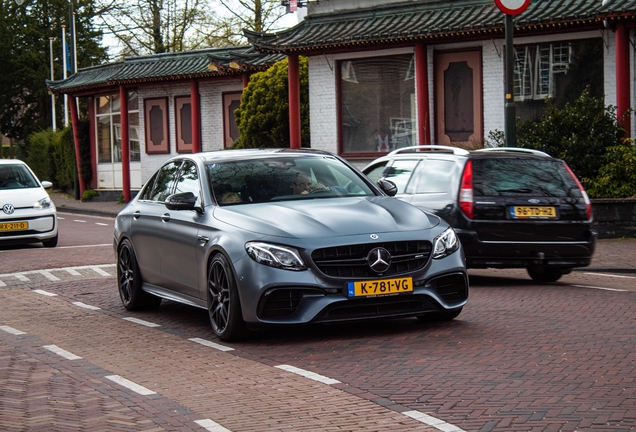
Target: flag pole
[
  {"x": 64, "y": 66},
  {"x": 52, "y": 78}
]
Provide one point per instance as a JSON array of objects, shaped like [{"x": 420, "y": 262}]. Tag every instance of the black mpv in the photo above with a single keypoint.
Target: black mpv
[{"x": 510, "y": 207}]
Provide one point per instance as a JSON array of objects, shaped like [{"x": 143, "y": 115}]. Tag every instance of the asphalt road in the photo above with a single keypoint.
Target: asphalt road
[{"x": 521, "y": 356}]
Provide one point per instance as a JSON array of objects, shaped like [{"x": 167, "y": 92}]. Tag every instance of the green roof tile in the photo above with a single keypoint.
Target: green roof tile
[
  {"x": 169, "y": 66},
  {"x": 441, "y": 20}
]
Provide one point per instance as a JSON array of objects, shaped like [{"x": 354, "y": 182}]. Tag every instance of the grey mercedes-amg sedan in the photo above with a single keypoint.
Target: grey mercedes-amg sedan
[{"x": 283, "y": 236}]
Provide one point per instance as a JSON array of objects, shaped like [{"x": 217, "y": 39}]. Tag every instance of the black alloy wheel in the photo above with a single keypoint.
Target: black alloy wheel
[
  {"x": 224, "y": 307},
  {"x": 129, "y": 281}
]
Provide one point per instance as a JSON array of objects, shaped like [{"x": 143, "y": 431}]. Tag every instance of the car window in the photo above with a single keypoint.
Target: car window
[
  {"x": 278, "y": 179},
  {"x": 432, "y": 176},
  {"x": 16, "y": 177},
  {"x": 164, "y": 180},
  {"x": 375, "y": 172},
  {"x": 500, "y": 177},
  {"x": 188, "y": 180},
  {"x": 400, "y": 173},
  {"x": 146, "y": 191}
]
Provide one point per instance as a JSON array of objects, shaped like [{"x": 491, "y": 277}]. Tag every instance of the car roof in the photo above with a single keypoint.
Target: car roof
[
  {"x": 11, "y": 162},
  {"x": 460, "y": 153},
  {"x": 244, "y": 154}
]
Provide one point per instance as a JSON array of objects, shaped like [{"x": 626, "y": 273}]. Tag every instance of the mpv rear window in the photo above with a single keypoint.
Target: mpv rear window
[{"x": 505, "y": 177}]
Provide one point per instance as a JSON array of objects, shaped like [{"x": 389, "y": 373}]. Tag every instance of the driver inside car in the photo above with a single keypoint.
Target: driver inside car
[{"x": 302, "y": 185}]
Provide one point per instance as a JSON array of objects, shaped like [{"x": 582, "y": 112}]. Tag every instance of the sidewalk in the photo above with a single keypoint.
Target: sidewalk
[{"x": 615, "y": 255}]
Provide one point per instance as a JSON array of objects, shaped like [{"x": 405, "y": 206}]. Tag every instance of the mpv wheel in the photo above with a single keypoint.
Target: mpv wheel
[
  {"x": 129, "y": 281},
  {"x": 545, "y": 274},
  {"x": 224, "y": 307}
]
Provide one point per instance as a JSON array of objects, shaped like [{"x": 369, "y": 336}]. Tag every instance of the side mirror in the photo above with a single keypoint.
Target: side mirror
[
  {"x": 46, "y": 184},
  {"x": 182, "y": 201},
  {"x": 388, "y": 187}
]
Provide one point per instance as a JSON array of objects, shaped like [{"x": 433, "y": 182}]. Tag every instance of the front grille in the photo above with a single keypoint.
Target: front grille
[
  {"x": 377, "y": 307},
  {"x": 351, "y": 261},
  {"x": 451, "y": 288}
]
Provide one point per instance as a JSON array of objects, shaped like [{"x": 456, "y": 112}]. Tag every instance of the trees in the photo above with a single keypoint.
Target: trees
[
  {"x": 25, "y": 105},
  {"x": 263, "y": 117}
]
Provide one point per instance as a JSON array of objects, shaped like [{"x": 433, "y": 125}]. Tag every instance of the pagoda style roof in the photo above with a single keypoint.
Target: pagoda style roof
[
  {"x": 437, "y": 20},
  {"x": 207, "y": 63}
]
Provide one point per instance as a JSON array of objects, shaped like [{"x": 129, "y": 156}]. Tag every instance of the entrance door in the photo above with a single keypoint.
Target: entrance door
[{"x": 458, "y": 99}]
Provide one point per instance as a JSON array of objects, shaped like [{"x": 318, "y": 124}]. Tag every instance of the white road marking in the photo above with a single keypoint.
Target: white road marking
[
  {"x": 130, "y": 385},
  {"x": 73, "y": 272},
  {"x": 307, "y": 374},
  {"x": 62, "y": 352},
  {"x": 101, "y": 224},
  {"x": 211, "y": 344},
  {"x": 2, "y": 284},
  {"x": 611, "y": 275},
  {"x": 211, "y": 426},
  {"x": 12, "y": 330},
  {"x": 79, "y": 220},
  {"x": 49, "y": 276},
  {"x": 22, "y": 277},
  {"x": 82, "y": 246},
  {"x": 142, "y": 322},
  {"x": 100, "y": 271},
  {"x": 599, "y": 288},
  {"x": 46, "y": 293},
  {"x": 86, "y": 306},
  {"x": 432, "y": 421},
  {"x": 61, "y": 218}
]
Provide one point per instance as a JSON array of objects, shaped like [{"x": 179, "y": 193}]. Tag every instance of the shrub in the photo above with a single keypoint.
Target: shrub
[
  {"x": 41, "y": 148},
  {"x": 617, "y": 177},
  {"x": 89, "y": 194}
]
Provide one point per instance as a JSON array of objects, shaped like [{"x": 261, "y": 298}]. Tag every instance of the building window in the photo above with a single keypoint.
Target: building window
[
  {"x": 108, "y": 120},
  {"x": 156, "y": 120},
  {"x": 183, "y": 123},
  {"x": 377, "y": 104},
  {"x": 560, "y": 71},
  {"x": 231, "y": 102}
]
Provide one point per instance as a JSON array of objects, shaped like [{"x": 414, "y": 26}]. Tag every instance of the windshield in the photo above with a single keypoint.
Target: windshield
[
  {"x": 16, "y": 177},
  {"x": 499, "y": 177},
  {"x": 284, "y": 178}
]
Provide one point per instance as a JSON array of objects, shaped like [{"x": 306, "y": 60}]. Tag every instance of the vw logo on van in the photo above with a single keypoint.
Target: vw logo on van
[{"x": 8, "y": 209}]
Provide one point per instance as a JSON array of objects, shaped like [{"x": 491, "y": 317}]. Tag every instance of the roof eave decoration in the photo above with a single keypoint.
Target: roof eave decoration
[
  {"x": 431, "y": 21},
  {"x": 201, "y": 64}
]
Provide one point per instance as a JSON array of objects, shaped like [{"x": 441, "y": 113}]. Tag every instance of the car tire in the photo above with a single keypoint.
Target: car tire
[
  {"x": 133, "y": 297},
  {"x": 545, "y": 274},
  {"x": 440, "y": 316},
  {"x": 50, "y": 243},
  {"x": 224, "y": 306}
]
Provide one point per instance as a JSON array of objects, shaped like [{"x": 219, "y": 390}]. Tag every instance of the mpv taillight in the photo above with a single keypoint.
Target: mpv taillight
[
  {"x": 466, "y": 191},
  {"x": 586, "y": 199}
]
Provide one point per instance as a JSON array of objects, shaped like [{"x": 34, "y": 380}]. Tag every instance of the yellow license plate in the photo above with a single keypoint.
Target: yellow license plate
[
  {"x": 525, "y": 212},
  {"x": 14, "y": 226},
  {"x": 380, "y": 287}
]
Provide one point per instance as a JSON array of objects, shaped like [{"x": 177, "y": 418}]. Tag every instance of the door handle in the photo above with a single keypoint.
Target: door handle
[
  {"x": 136, "y": 215},
  {"x": 165, "y": 217},
  {"x": 203, "y": 239}
]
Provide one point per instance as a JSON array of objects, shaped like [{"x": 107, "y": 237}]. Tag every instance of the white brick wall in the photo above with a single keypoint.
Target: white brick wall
[{"x": 211, "y": 118}]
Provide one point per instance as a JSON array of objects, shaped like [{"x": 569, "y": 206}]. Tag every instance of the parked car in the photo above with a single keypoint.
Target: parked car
[
  {"x": 510, "y": 207},
  {"x": 282, "y": 236},
  {"x": 28, "y": 215}
]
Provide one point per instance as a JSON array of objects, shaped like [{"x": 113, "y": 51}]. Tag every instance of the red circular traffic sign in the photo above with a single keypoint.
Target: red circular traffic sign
[{"x": 512, "y": 7}]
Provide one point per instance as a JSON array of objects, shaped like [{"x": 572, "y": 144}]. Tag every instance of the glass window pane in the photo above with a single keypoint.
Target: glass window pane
[
  {"x": 114, "y": 103},
  {"x": 117, "y": 136},
  {"x": 163, "y": 183},
  {"x": 133, "y": 101},
  {"x": 400, "y": 173},
  {"x": 103, "y": 139},
  {"x": 103, "y": 105},
  {"x": 377, "y": 104},
  {"x": 433, "y": 176},
  {"x": 133, "y": 127},
  {"x": 188, "y": 179}
]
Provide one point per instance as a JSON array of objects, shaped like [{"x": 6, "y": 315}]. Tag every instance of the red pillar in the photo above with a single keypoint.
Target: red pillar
[
  {"x": 623, "y": 90},
  {"x": 293, "y": 81},
  {"x": 195, "y": 103},
  {"x": 421, "y": 85},
  {"x": 91, "y": 140},
  {"x": 78, "y": 159},
  {"x": 246, "y": 79},
  {"x": 125, "y": 143}
]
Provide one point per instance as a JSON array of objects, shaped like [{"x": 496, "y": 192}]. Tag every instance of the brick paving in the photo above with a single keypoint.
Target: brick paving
[{"x": 40, "y": 390}]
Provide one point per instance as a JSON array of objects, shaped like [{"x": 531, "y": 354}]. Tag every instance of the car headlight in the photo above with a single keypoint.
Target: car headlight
[
  {"x": 445, "y": 244},
  {"x": 275, "y": 256},
  {"x": 44, "y": 203}
]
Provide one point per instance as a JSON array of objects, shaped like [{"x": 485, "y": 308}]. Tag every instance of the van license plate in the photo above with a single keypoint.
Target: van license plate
[
  {"x": 532, "y": 212},
  {"x": 14, "y": 226},
  {"x": 380, "y": 287}
]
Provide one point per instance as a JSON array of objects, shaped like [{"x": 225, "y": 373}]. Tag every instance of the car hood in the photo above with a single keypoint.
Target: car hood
[
  {"x": 312, "y": 218},
  {"x": 21, "y": 198}
]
